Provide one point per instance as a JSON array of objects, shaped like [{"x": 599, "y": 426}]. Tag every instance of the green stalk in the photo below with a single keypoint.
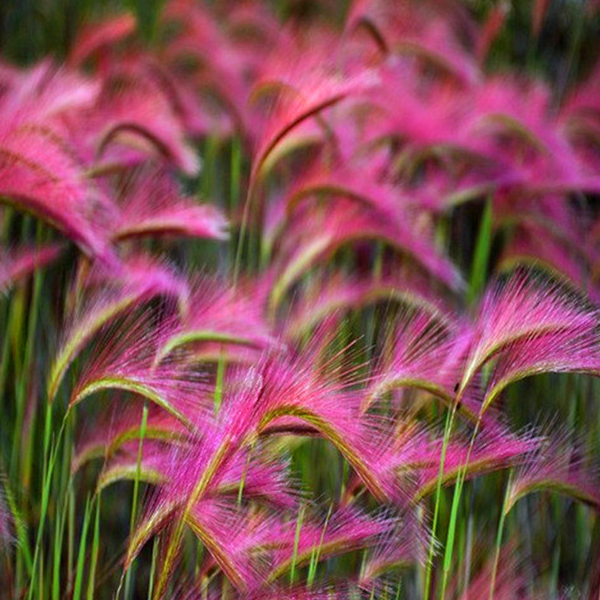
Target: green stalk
[
  {"x": 218, "y": 396},
  {"x": 316, "y": 552},
  {"x": 153, "y": 567},
  {"x": 244, "y": 475},
  {"x": 48, "y": 471},
  {"x": 70, "y": 500},
  {"x": 296, "y": 542},
  {"x": 57, "y": 553},
  {"x": 23, "y": 369},
  {"x": 26, "y": 375},
  {"x": 95, "y": 549},
  {"x": 454, "y": 510},
  {"x": 469, "y": 546},
  {"x": 241, "y": 238},
  {"x": 476, "y": 285},
  {"x": 499, "y": 535},
  {"x": 136, "y": 483},
  {"x": 81, "y": 554},
  {"x": 41, "y": 586},
  {"x": 482, "y": 253},
  {"x": 438, "y": 494},
  {"x": 16, "y": 326}
]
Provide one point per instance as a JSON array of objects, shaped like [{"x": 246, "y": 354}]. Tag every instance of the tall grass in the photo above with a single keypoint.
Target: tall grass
[{"x": 300, "y": 300}]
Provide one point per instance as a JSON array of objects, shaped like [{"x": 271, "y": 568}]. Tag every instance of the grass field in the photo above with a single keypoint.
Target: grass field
[{"x": 300, "y": 300}]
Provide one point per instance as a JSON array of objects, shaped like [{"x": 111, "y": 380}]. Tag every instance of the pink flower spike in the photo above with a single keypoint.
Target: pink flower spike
[
  {"x": 152, "y": 205},
  {"x": 345, "y": 530},
  {"x": 222, "y": 315},
  {"x": 338, "y": 294},
  {"x": 304, "y": 92},
  {"x": 128, "y": 363},
  {"x": 98, "y": 37},
  {"x": 425, "y": 355},
  {"x": 19, "y": 263},
  {"x": 402, "y": 546},
  {"x": 118, "y": 425},
  {"x": 561, "y": 466},
  {"x": 152, "y": 127},
  {"x": 110, "y": 294},
  {"x": 523, "y": 308}
]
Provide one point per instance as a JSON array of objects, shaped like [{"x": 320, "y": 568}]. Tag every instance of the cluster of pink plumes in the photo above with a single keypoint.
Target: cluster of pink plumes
[{"x": 336, "y": 305}]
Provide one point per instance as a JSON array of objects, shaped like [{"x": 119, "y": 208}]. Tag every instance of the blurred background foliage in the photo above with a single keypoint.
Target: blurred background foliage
[{"x": 565, "y": 47}]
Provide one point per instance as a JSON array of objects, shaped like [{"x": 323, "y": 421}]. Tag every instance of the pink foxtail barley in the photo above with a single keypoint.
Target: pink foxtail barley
[{"x": 284, "y": 291}]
